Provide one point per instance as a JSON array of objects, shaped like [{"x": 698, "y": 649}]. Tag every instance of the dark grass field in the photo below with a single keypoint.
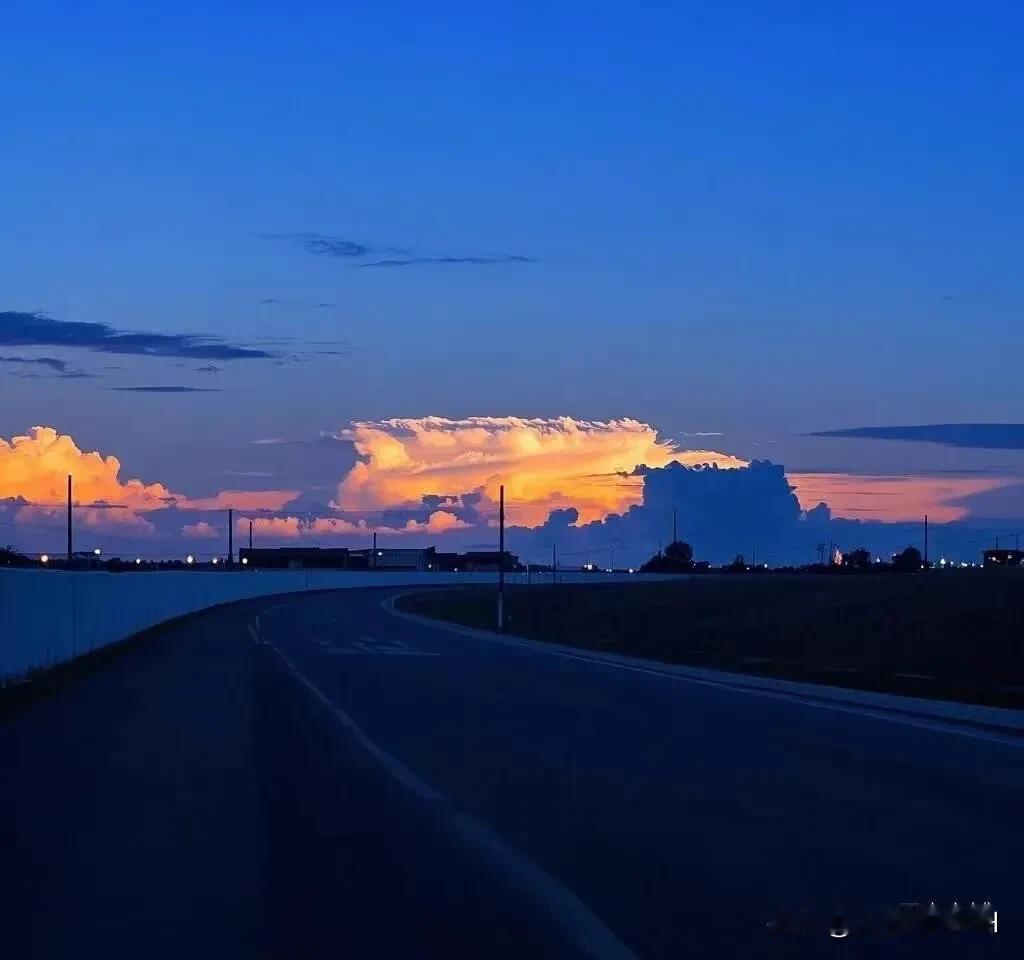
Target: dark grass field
[{"x": 960, "y": 633}]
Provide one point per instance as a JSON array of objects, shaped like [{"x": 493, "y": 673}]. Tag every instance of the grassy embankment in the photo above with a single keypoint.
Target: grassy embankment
[{"x": 945, "y": 634}]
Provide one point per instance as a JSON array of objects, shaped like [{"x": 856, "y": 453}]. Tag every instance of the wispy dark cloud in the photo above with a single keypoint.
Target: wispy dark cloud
[
  {"x": 208, "y": 368},
  {"x": 981, "y": 436},
  {"x": 324, "y": 245},
  {"x": 484, "y": 261},
  {"x": 22, "y": 329},
  {"x": 53, "y": 363},
  {"x": 167, "y": 389},
  {"x": 283, "y": 302},
  {"x": 61, "y": 368},
  {"x": 333, "y": 246}
]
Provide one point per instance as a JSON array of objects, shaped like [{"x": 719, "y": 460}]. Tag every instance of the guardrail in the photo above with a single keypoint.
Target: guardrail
[{"x": 51, "y": 616}]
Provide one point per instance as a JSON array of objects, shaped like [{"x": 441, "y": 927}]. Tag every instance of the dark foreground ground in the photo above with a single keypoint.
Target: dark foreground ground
[
  {"x": 312, "y": 777},
  {"x": 956, "y": 635}
]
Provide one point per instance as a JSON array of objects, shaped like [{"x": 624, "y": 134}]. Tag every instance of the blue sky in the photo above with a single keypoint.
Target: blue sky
[{"x": 759, "y": 220}]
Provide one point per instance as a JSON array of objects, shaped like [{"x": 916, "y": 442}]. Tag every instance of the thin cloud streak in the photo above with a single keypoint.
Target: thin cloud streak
[
  {"x": 22, "y": 329},
  {"x": 979, "y": 436},
  {"x": 167, "y": 389},
  {"x": 484, "y": 261}
]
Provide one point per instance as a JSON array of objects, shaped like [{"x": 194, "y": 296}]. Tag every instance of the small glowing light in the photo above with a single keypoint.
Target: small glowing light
[
  {"x": 215, "y": 561},
  {"x": 45, "y": 558},
  {"x": 190, "y": 559},
  {"x": 245, "y": 561},
  {"x": 380, "y": 553},
  {"x": 630, "y": 569},
  {"x": 430, "y": 566},
  {"x": 138, "y": 560},
  {"x": 456, "y": 569},
  {"x": 766, "y": 566},
  {"x": 97, "y": 551}
]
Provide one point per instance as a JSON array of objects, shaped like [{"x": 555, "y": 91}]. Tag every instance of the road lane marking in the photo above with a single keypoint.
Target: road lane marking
[
  {"x": 562, "y": 908},
  {"x": 936, "y": 725},
  {"x": 367, "y": 646}
]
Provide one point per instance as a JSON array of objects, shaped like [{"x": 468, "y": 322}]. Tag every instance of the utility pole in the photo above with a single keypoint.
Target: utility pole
[
  {"x": 753, "y": 557},
  {"x": 373, "y": 553},
  {"x": 926, "y": 541},
  {"x": 71, "y": 551},
  {"x": 554, "y": 564},
  {"x": 501, "y": 558},
  {"x": 250, "y": 534},
  {"x": 231, "y": 537}
]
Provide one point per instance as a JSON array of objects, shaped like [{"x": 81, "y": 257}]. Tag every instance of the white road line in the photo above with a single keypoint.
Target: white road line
[
  {"x": 923, "y": 723},
  {"x": 561, "y": 906}
]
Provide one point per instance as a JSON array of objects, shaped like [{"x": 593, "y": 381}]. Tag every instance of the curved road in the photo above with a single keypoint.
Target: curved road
[{"x": 313, "y": 776}]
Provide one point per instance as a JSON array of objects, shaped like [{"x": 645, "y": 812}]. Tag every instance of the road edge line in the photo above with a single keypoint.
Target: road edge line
[
  {"x": 839, "y": 700},
  {"x": 563, "y": 908}
]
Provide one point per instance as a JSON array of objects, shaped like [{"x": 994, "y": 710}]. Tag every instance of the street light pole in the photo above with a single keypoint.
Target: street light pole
[
  {"x": 501, "y": 558},
  {"x": 70, "y": 546}
]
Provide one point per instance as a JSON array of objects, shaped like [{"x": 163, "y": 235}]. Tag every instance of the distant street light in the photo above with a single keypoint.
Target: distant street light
[
  {"x": 97, "y": 551},
  {"x": 138, "y": 560},
  {"x": 190, "y": 559},
  {"x": 245, "y": 561},
  {"x": 215, "y": 561},
  {"x": 44, "y": 558}
]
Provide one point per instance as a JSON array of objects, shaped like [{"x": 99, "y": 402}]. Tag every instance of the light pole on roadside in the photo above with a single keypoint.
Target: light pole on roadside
[{"x": 501, "y": 558}]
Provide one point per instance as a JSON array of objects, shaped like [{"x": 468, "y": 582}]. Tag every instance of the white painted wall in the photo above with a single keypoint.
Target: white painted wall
[{"x": 49, "y": 616}]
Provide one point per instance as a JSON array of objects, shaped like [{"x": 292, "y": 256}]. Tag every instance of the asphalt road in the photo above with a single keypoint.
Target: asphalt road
[{"x": 311, "y": 776}]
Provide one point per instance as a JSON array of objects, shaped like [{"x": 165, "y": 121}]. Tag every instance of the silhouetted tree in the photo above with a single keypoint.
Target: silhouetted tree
[
  {"x": 738, "y": 565},
  {"x": 679, "y": 551},
  {"x": 9, "y": 557},
  {"x": 908, "y": 560},
  {"x": 858, "y": 559},
  {"x": 677, "y": 558}
]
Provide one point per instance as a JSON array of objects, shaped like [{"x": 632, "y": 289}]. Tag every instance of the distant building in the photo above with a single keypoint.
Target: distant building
[
  {"x": 295, "y": 558},
  {"x": 487, "y": 561},
  {"x": 383, "y": 558},
  {"x": 1002, "y": 558},
  {"x": 393, "y": 558}
]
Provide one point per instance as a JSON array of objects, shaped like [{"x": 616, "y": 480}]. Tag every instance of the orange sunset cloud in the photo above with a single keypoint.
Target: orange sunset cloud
[
  {"x": 240, "y": 500},
  {"x": 290, "y": 528},
  {"x": 891, "y": 499},
  {"x": 544, "y": 463},
  {"x": 35, "y": 467}
]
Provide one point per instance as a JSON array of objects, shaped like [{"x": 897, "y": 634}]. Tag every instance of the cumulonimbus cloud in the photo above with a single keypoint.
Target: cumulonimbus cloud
[{"x": 544, "y": 464}]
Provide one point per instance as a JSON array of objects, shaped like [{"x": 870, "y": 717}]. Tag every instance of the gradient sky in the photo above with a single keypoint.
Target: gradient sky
[{"x": 752, "y": 220}]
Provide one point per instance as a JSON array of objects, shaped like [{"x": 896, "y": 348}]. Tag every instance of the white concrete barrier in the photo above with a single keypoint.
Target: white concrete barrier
[{"x": 50, "y": 616}]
